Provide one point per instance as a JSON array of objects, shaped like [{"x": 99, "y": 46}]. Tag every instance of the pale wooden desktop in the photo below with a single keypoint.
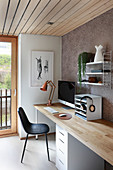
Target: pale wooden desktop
[{"x": 96, "y": 135}]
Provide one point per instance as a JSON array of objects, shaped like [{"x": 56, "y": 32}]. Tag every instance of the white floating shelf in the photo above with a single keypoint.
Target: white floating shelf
[
  {"x": 97, "y": 73},
  {"x": 99, "y": 62},
  {"x": 95, "y": 84}
]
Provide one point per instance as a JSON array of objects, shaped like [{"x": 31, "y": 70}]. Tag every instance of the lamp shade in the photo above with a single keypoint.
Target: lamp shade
[{"x": 44, "y": 86}]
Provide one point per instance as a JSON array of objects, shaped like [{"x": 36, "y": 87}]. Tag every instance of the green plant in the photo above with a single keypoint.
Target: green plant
[
  {"x": 5, "y": 59},
  {"x": 8, "y": 81},
  {"x": 1, "y": 85},
  {"x": 82, "y": 60}
]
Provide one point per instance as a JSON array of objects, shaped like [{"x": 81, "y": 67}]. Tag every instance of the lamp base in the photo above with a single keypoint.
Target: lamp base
[{"x": 49, "y": 103}]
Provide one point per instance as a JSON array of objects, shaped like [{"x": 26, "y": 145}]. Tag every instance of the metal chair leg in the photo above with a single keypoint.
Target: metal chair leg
[
  {"x": 47, "y": 147},
  {"x": 24, "y": 148}
]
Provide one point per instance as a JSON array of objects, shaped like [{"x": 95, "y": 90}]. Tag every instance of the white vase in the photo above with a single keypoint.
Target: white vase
[{"x": 99, "y": 55}]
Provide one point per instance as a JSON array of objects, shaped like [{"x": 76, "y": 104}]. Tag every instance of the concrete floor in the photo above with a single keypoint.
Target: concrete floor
[{"x": 35, "y": 157}]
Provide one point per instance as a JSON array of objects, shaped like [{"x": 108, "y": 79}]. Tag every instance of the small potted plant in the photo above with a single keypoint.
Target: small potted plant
[{"x": 83, "y": 58}]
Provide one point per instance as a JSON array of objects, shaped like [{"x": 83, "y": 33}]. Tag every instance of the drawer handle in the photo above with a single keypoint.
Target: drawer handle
[
  {"x": 61, "y": 133},
  {"x": 61, "y": 151},
  {"x": 61, "y": 140},
  {"x": 61, "y": 162}
]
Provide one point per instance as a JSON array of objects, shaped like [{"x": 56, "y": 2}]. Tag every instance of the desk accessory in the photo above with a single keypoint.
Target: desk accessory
[
  {"x": 51, "y": 110},
  {"x": 67, "y": 117},
  {"x": 62, "y": 115},
  {"x": 91, "y": 106},
  {"x": 88, "y": 106},
  {"x": 44, "y": 88}
]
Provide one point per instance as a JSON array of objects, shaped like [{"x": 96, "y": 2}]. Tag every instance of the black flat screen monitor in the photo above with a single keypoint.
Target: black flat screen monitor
[{"x": 66, "y": 92}]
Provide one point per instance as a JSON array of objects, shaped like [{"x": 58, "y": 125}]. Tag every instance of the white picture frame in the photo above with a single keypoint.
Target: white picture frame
[{"x": 41, "y": 67}]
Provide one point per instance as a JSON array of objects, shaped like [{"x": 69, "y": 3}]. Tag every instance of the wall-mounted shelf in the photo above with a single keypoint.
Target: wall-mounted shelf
[
  {"x": 94, "y": 84},
  {"x": 95, "y": 73},
  {"x": 99, "y": 62},
  {"x": 101, "y": 71}
]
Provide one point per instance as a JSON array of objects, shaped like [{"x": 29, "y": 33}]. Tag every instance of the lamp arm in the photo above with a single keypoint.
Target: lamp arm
[
  {"x": 50, "y": 82},
  {"x": 52, "y": 90},
  {"x": 52, "y": 93}
]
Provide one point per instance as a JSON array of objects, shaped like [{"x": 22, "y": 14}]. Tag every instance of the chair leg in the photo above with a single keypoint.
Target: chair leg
[
  {"x": 47, "y": 147},
  {"x": 24, "y": 148}
]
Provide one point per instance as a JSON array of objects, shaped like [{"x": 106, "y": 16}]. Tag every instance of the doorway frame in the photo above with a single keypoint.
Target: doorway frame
[{"x": 14, "y": 118}]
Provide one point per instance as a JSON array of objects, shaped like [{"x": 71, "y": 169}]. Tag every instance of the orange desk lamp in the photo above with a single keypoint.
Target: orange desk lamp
[{"x": 44, "y": 88}]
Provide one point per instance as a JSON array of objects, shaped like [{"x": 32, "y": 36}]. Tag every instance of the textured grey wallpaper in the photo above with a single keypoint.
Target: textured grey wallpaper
[{"x": 96, "y": 32}]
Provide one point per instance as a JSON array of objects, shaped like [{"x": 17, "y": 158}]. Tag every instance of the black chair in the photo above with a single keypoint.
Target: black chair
[{"x": 34, "y": 129}]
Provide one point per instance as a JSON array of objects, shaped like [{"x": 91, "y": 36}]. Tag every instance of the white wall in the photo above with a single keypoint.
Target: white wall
[{"x": 27, "y": 96}]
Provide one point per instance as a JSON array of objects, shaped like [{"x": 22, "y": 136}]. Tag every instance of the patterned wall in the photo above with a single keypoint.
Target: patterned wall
[{"x": 96, "y": 32}]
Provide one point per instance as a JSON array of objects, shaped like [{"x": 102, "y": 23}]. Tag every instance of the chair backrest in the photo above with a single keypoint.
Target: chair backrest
[{"x": 24, "y": 120}]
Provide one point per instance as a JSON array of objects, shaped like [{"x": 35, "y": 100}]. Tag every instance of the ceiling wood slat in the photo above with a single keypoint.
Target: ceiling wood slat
[
  {"x": 33, "y": 16},
  {"x": 31, "y": 8},
  {"x": 65, "y": 9},
  {"x": 3, "y": 8},
  {"x": 57, "y": 16},
  {"x": 76, "y": 14},
  {"x": 48, "y": 17},
  {"x": 51, "y": 5},
  {"x": 11, "y": 14},
  {"x": 36, "y": 13},
  {"x": 66, "y": 15},
  {"x": 19, "y": 13},
  {"x": 6, "y": 16},
  {"x": 80, "y": 14},
  {"x": 81, "y": 17},
  {"x": 22, "y": 16},
  {"x": 96, "y": 13}
]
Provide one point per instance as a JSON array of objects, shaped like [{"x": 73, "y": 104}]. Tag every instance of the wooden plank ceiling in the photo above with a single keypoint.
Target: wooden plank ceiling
[{"x": 48, "y": 17}]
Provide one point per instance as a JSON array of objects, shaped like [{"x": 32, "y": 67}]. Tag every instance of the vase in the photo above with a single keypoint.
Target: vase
[{"x": 99, "y": 55}]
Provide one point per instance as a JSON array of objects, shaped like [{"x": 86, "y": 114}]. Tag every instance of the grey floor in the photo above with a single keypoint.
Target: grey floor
[{"x": 35, "y": 155}]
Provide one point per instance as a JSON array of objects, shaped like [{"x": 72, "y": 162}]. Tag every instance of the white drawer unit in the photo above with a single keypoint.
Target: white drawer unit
[
  {"x": 73, "y": 155},
  {"x": 61, "y": 148},
  {"x": 88, "y": 106}
]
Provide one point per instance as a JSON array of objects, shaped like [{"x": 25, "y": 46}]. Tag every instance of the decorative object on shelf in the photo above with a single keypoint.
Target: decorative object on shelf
[
  {"x": 41, "y": 67},
  {"x": 97, "y": 71},
  {"x": 44, "y": 88},
  {"x": 100, "y": 82},
  {"x": 92, "y": 80},
  {"x": 84, "y": 80},
  {"x": 99, "y": 56},
  {"x": 82, "y": 60}
]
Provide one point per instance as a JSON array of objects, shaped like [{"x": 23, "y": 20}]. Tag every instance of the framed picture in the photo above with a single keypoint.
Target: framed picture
[{"x": 41, "y": 67}]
